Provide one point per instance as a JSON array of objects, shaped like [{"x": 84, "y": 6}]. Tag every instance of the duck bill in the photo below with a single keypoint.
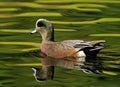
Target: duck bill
[{"x": 34, "y": 31}]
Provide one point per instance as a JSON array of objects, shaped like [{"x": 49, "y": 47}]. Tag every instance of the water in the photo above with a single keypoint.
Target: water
[
  {"x": 13, "y": 73},
  {"x": 19, "y": 50}
]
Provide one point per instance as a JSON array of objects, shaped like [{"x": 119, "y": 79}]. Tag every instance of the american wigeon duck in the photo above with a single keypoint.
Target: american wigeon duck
[
  {"x": 69, "y": 49},
  {"x": 74, "y": 54}
]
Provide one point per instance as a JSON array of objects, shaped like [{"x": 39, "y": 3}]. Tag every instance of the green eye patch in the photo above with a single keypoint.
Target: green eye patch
[{"x": 41, "y": 24}]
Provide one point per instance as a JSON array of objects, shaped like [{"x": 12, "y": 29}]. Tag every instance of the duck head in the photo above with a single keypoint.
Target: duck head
[{"x": 45, "y": 28}]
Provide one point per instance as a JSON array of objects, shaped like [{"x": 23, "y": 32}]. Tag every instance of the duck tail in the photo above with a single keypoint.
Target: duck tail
[
  {"x": 97, "y": 45},
  {"x": 96, "y": 42}
]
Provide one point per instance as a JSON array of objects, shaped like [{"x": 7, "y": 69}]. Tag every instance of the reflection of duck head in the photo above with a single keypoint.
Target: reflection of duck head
[
  {"x": 44, "y": 73},
  {"x": 45, "y": 28},
  {"x": 38, "y": 74}
]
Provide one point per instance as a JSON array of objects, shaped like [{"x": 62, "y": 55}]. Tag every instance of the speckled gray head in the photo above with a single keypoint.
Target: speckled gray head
[
  {"x": 42, "y": 23},
  {"x": 45, "y": 28}
]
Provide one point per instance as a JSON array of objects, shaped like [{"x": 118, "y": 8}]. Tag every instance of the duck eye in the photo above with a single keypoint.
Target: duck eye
[{"x": 40, "y": 24}]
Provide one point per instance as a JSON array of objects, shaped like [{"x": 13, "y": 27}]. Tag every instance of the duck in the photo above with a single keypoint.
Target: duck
[{"x": 77, "y": 51}]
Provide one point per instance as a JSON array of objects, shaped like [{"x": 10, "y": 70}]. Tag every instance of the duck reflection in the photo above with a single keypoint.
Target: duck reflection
[{"x": 92, "y": 65}]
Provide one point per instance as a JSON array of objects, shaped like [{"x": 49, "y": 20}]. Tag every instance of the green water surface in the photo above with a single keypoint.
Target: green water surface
[{"x": 72, "y": 19}]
